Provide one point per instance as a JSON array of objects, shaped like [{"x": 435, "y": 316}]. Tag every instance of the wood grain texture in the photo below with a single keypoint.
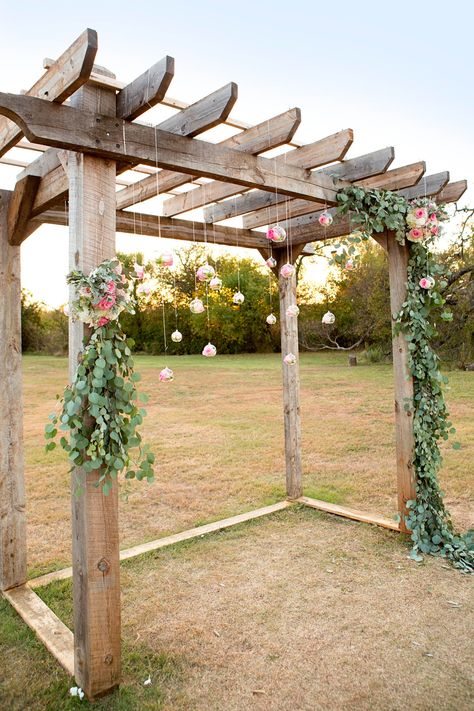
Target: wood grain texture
[
  {"x": 346, "y": 512},
  {"x": 145, "y": 91},
  {"x": 21, "y": 204},
  {"x": 97, "y": 134},
  {"x": 267, "y": 135},
  {"x": 310, "y": 156},
  {"x": 12, "y": 485},
  {"x": 94, "y": 516},
  {"x": 57, "y": 638},
  {"x": 60, "y": 81},
  {"x": 390, "y": 180},
  {"x": 291, "y": 383},
  {"x": 452, "y": 192}
]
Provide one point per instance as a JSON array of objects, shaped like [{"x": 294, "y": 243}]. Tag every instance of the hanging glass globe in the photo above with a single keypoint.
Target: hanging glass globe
[
  {"x": 276, "y": 234},
  {"x": 238, "y": 298},
  {"x": 271, "y": 319},
  {"x": 325, "y": 219},
  {"x": 287, "y": 271},
  {"x": 292, "y": 310},
  {"x": 166, "y": 375},
  {"x": 349, "y": 264},
  {"x": 165, "y": 260},
  {"x": 196, "y": 306},
  {"x": 176, "y": 336},
  {"x": 328, "y": 318},
  {"x": 209, "y": 351},
  {"x": 205, "y": 272},
  {"x": 271, "y": 262},
  {"x": 290, "y": 359},
  {"x": 215, "y": 284}
]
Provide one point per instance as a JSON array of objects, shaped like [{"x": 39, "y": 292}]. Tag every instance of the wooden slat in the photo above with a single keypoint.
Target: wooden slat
[
  {"x": 349, "y": 513},
  {"x": 95, "y": 544},
  {"x": 20, "y": 208},
  {"x": 158, "y": 543},
  {"x": 12, "y": 485},
  {"x": 147, "y": 90},
  {"x": 429, "y": 185},
  {"x": 60, "y": 81},
  {"x": 332, "y": 148},
  {"x": 130, "y": 142},
  {"x": 57, "y": 638},
  {"x": 452, "y": 192},
  {"x": 254, "y": 140},
  {"x": 391, "y": 180},
  {"x": 353, "y": 169}
]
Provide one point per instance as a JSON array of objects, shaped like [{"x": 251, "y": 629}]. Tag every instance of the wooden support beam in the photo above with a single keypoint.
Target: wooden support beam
[
  {"x": 145, "y": 91},
  {"x": 452, "y": 192},
  {"x": 429, "y": 185},
  {"x": 391, "y": 180},
  {"x": 20, "y": 208},
  {"x": 57, "y": 638},
  {"x": 291, "y": 382},
  {"x": 95, "y": 549},
  {"x": 353, "y": 169},
  {"x": 309, "y": 156},
  {"x": 346, "y": 512},
  {"x": 60, "y": 81},
  {"x": 12, "y": 485},
  {"x": 141, "y": 224},
  {"x": 254, "y": 140},
  {"x": 106, "y": 137}
]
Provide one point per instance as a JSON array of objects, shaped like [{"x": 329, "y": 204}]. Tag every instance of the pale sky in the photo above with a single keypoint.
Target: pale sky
[{"x": 397, "y": 73}]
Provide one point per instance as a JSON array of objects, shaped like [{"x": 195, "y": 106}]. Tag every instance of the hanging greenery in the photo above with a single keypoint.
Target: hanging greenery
[
  {"x": 417, "y": 222},
  {"x": 100, "y": 408}
]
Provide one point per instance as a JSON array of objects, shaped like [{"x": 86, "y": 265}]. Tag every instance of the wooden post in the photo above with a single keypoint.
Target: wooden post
[
  {"x": 96, "y": 572},
  {"x": 12, "y": 487},
  {"x": 398, "y": 256},
  {"x": 291, "y": 383}
]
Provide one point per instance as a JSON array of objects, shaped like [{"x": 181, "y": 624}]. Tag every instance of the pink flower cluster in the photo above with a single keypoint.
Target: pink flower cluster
[
  {"x": 422, "y": 222},
  {"x": 276, "y": 234}
]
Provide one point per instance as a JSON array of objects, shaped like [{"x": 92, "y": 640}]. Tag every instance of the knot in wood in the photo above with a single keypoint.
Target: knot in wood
[
  {"x": 103, "y": 565},
  {"x": 108, "y": 659}
]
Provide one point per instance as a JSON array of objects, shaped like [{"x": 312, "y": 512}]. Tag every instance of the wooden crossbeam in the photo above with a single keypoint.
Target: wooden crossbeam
[
  {"x": 106, "y": 137},
  {"x": 429, "y": 184},
  {"x": 20, "y": 207},
  {"x": 60, "y": 81},
  {"x": 452, "y": 192},
  {"x": 268, "y": 134},
  {"x": 318, "y": 153},
  {"x": 353, "y": 169},
  {"x": 147, "y": 90},
  {"x": 391, "y": 180}
]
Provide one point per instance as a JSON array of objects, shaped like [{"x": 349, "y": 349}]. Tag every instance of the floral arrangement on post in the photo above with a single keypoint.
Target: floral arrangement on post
[
  {"x": 418, "y": 223},
  {"x": 100, "y": 408}
]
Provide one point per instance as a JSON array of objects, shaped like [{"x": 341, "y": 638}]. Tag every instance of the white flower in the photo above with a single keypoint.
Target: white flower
[{"x": 76, "y": 691}]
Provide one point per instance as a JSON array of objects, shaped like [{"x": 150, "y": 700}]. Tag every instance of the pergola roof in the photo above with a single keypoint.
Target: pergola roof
[{"x": 227, "y": 179}]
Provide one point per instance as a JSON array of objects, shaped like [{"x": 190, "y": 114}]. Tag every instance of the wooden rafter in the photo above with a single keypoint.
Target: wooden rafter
[
  {"x": 145, "y": 91},
  {"x": 353, "y": 169},
  {"x": 60, "y": 81}
]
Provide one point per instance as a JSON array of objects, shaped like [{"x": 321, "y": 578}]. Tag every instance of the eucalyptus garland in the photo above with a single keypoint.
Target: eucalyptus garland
[
  {"x": 417, "y": 222},
  {"x": 100, "y": 409}
]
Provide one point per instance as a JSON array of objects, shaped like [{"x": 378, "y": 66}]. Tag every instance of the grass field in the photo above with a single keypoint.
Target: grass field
[{"x": 297, "y": 611}]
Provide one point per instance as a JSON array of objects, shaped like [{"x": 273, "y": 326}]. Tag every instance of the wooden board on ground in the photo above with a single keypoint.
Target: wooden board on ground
[{"x": 349, "y": 513}]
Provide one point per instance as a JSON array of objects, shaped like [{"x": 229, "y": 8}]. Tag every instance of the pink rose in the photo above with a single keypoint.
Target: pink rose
[
  {"x": 271, "y": 262},
  {"x": 325, "y": 219},
  {"x": 166, "y": 259},
  {"x": 276, "y": 234},
  {"x": 349, "y": 264},
  {"x": 415, "y": 235},
  {"x": 287, "y": 271},
  {"x": 205, "y": 272},
  {"x": 421, "y": 213},
  {"x": 166, "y": 375},
  {"x": 434, "y": 230},
  {"x": 209, "y": 351},
  {"x": 105, "y": 303},
  {"x": 103, "y": 321},
  {"x": 111, "y": 287},
  {"x": 427, "y": 282},
  {"x": 433, "y": 218},
  {"x": 290, "y": 359},
  {"x": 139, "y": 271}
]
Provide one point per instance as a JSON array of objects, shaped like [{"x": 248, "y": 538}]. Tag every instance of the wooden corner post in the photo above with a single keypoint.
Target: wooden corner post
[
  {"x": 291, "y": 383},
  {"x": 95, "y": 549},
  {"x": 12, "y": 487},
  {"x": 398, "y": 256}
]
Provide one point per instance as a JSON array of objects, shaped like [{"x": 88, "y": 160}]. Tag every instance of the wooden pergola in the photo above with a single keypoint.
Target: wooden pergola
[{"x": 82, "y": 121}]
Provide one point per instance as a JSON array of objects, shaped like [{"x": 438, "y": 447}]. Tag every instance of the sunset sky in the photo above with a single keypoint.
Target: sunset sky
[{"x": 399, "y": 74}]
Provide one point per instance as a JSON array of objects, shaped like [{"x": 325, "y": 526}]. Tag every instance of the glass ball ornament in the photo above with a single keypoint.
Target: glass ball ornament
[
  {"x": 290, "y": 359},
  {"x": 166, "y": 375},
  {"x": 176, "y": 336},
  {"x": 271, "y": 262},
  {"x": 215, "y": 284},
  {"x": 205, "y": 272},
  {"x": 292, "y": 310},
  {"x": 196, "y": 306},
  {"x": 276, "y": 234},
  {"x": 209, "y": 351},
  {"x": 271, "y": 319},
  {"x": 238, "y": 298},
  {"x": 328, "y": 318},
  {"x": 325, "y": 219},
  {"x": 427, "y": 282},
  {"x": 287, "y": 271},
  {"x": 165, "y": 260}
]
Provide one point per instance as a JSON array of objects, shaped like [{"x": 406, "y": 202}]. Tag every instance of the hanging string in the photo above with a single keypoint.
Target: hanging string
[
  {"x": 175, "y": 301},
  {"x": 164, "y": 326},
  {"x": 157, "y": 180},
  {"x": 238, "y": 255},
  {"x": 208, "y": 314}
]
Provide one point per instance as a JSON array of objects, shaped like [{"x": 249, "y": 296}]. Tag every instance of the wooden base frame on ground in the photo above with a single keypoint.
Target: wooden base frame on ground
[{"x": 84, "y": 147}]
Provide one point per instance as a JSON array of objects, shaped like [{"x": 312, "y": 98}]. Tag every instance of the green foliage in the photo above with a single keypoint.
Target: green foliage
[
  {"x": 32, "y": 323},
  {"x": 374, "y": 210},
  {"x": 428, "y": 519}
]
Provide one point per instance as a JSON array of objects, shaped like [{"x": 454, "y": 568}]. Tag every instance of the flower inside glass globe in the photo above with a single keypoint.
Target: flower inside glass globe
[
  {"x": 166, "y": 375},
  {"x": 209, "y": 351},
  {"x": 205, "y": 272},
  {"x": 215, "y": 284},
  {"x": 328, "y": 318},
  {"x": 292, "y": 310},
  {"x": 287, "y": 271},
  {"x": 176, "y": 336},
  {"x": 238, "y": 298},
  {"x": 290, "y": 359},
  {"x": 196, "y": 306},
  {"x": 271, "y": 262},
  {"x": 271, "y": 319},
  {"x": 276, "y": 234}
]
